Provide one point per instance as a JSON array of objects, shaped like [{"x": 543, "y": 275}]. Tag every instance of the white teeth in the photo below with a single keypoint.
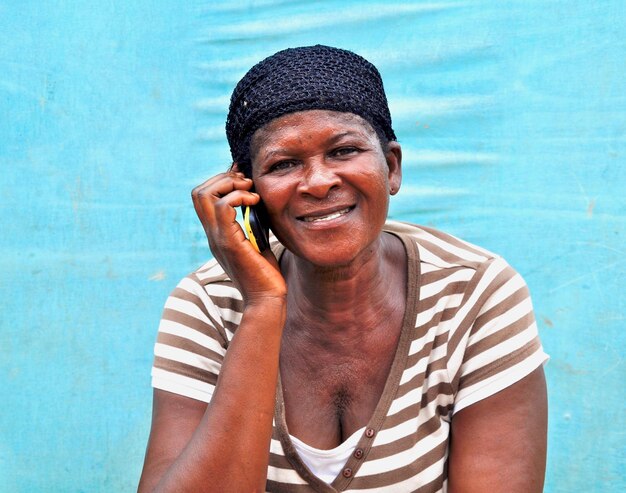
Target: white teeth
[{"x": 334, "y": 215}]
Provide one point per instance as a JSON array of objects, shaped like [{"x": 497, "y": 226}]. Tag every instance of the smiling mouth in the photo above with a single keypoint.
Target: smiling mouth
[{"x": 327, "y": 217}]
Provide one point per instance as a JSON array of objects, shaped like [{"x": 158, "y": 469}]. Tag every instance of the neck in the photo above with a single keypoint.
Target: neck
[{"x": 342, "y": 302}]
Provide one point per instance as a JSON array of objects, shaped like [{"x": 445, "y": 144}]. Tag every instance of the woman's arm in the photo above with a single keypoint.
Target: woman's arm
[
  {"x": 224, "y": 446},
  {"x": 499, "y": 444}
]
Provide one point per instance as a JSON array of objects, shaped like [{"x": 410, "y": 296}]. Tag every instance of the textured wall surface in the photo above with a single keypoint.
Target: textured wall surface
[{"x": 512, "y": 117}]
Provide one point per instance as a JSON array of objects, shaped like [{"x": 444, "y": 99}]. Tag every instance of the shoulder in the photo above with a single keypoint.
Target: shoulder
[
  {"x": 440, "y": 250},
  {"x": 469, "y": 278},
  {"x": 204, "y": 303},
  {"x": 211, "y": 286},
  {"x": 210, "y": 272}
]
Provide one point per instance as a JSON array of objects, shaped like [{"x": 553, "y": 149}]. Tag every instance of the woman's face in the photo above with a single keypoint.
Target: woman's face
[{"x": 325, "y": 182}]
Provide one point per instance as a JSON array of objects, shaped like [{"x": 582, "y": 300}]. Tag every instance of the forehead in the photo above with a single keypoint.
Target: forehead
[{"x": 298, "y": 124}]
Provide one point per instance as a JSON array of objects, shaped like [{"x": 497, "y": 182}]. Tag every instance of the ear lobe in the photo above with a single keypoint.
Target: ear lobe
[{"x": 394, "y": 165}]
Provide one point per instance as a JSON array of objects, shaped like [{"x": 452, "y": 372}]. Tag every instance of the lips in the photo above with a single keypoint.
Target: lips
[{"x": 328, "y": 215}]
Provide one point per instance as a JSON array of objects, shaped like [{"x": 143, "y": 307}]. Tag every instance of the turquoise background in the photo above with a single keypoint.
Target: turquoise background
[{"x": 512, "y": 119}]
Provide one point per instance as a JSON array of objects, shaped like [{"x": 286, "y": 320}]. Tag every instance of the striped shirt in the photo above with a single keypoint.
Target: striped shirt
[{"x": 468, "y": 332}]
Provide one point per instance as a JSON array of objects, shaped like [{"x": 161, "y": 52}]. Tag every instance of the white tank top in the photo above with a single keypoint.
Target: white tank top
[{"x": 327, "y": 464}]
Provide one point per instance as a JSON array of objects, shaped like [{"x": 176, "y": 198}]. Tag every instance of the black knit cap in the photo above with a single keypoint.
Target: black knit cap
[{"x": 306, "y": 78}]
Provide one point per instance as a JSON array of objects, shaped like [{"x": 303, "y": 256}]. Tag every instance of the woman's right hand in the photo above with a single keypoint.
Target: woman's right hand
[
  {"x": 257, "y": 276},
  {"x": 195, "y": 447}
]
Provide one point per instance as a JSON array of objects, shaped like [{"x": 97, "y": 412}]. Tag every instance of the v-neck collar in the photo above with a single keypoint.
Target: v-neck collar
[{"x": 374, "y": 425}]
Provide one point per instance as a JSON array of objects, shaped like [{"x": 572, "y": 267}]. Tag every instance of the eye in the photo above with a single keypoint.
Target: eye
[
  {"x": 344, "y": 151},
  {"x": 282, "y": 165}
]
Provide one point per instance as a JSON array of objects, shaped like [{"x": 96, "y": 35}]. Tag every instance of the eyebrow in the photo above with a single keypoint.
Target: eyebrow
[{"x": 348, "y": 133}]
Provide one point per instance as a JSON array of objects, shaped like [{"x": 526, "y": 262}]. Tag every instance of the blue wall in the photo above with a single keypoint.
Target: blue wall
[{"x": 512, "y": 118}]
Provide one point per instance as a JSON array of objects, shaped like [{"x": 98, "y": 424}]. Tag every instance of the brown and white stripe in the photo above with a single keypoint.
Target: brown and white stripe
[{"x": 468, "y": 332}]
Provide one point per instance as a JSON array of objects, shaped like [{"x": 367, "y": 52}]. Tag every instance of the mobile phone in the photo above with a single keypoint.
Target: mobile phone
[{"x": 255, "y": 222}]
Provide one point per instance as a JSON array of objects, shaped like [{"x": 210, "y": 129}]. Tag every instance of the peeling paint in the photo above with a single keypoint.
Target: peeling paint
[
  {"x": 590, "y": 207},
  {"x": 157, "y": 276}
]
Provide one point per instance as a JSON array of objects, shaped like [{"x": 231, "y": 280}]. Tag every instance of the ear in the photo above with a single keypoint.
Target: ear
[{"x": 394, "y": 165}]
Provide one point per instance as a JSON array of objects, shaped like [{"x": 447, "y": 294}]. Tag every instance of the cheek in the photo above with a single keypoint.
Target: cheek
[
  {"x": 376, "y": 189},
  {"x": 274, "y": 194},
  {"x": 375, "y": 180}
]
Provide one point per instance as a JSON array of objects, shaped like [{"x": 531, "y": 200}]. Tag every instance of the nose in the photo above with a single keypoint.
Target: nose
[{"x": 318, "y": 180}]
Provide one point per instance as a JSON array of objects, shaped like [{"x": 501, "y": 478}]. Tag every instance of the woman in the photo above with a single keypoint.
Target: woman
[{"x": 355, "y": 354}]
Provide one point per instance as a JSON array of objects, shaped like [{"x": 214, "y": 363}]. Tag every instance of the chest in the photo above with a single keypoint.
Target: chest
[{"x": 329, "y": 395}]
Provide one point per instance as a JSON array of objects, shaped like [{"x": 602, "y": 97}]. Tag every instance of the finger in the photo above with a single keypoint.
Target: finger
[
  {"x": 238, "y": 198},
  {"x": 212, "y": 210},
  {"x": 221, "y": 185},
  {"x": 221, "y": 176},
  {"x": 211, "y": 180}
]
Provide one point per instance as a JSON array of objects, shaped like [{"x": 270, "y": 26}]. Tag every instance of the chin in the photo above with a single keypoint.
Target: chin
[{"x": 332, "y": 252}]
